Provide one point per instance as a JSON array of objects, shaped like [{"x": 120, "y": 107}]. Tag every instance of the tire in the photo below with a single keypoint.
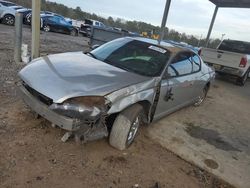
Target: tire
[
  {"x": 46, "y": 28},
  {"x": 242, "y": 80},
  {"x": 73, "y": 33},
  {"x": 28, "y": 18},
  {"x": 9, "y": 19},
  {"x": 125, "y": 127},
  {"x": 202, "y": 96}
]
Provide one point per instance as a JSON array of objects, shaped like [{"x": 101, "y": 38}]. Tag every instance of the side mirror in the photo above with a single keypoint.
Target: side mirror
[{"x": 94, "y": 46}]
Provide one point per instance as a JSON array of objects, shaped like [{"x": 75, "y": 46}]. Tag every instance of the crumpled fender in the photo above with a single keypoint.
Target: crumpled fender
[{"x": 130, "y": 95}]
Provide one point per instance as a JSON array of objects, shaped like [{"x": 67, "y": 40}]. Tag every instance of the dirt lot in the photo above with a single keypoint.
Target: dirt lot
[
  {"x": 214, "y": 136},
  {"x": 32, "y": 155}
]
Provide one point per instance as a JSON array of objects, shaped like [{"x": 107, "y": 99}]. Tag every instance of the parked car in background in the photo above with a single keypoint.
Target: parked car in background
[
  {"x": 86, "y": 26},
  {"x": 42, "y": 14},
  {"x": 232, "y": 57},
  {"x": 57, "y": 24},
  {"x": 7, "y": 14},
  {"x": 118, "y": 87},
  {"x": 77, "y": 23}
]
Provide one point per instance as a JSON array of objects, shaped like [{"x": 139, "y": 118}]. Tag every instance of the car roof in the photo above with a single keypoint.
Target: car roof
[
  {"x": 48, "y": 15},
  {"x": 168, "y": 46}
]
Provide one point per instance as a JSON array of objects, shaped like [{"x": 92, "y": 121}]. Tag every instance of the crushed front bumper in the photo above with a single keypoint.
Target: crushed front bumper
[{"x": 43, "y": 110}]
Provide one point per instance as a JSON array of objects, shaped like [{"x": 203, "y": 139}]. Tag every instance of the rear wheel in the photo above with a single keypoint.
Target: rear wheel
[
  {"x": 242, "y": 80},
  {"x": 73, "y": 33},
  {"x": 202, "y": 96},
  {"x": 9, "y": 19},
  {"x": 125, "y": 127}
]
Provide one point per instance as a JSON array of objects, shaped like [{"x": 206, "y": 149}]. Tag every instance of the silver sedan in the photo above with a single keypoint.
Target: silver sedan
[{"x": 115, "y": 88}]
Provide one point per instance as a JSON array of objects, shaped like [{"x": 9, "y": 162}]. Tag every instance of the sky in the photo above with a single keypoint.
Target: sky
[{"x": 189, "y": 16}]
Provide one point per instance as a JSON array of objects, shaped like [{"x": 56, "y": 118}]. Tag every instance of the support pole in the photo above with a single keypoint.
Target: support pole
[
  {"x": 164, "y": 20},
  {"x": 36, "y": 7},
  {"x": 211, "y": 25},
  {"x": 18, "y": 37}
]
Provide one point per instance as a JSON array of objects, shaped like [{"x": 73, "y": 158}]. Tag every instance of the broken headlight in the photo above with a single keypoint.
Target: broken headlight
[{"x": 83, "y": 108}]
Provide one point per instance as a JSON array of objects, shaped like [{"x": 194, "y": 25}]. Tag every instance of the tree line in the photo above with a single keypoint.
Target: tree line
[{"x": 133, "y": 26}]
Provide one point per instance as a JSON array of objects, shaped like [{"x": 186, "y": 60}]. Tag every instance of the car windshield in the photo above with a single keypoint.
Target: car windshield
[{"x": 133, "y": 56}]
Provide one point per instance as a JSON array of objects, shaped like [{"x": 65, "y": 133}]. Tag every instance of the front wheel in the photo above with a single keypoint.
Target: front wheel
[
  {"x": 125, "y": 127},
  {"x": 9, "y": 19}
]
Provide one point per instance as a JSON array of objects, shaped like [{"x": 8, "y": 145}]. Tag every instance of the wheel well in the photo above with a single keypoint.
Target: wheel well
[
  {"x": 9, "y": 15},
  {"x": 146, "y": 108},
  {"x": 208, "y": 85},
  {"x": 110, "y": 120},
  {"x": 145, "y": 105}
]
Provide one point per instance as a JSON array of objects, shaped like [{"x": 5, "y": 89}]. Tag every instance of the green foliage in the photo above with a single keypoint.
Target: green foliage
[{"x": 134, "y": 26}]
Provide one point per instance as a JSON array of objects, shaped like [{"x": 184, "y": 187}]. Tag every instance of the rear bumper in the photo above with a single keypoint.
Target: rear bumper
[
  {"x": 227, "y": 70},
  {"x": 43, "y": 110}
]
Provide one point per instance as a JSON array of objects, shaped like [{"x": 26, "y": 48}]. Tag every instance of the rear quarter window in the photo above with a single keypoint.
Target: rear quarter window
[{"x": 196, "y": 63}]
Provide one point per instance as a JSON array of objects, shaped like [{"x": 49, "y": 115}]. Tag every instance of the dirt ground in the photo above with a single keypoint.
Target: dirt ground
[{"x": 32, "y": 155}]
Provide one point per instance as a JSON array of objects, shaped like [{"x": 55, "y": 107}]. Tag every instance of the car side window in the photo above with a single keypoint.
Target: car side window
[
  {"x": 170, "y": 73},
  {"x": 196, "y": 63},
  {"x": 53, "y": 19},
  {"x": 182, "y": 64},
  {"x": 62, "y": 21}
]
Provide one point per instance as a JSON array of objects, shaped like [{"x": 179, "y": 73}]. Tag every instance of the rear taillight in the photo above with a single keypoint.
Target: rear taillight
[{"x": 243, "y": 62}]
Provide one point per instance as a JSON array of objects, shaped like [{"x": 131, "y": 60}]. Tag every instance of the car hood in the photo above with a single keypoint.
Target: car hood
[{"x": 68, "y": 75}]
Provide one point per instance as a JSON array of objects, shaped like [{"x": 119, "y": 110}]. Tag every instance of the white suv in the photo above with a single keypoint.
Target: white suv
[{"x": 7, "y": 12}]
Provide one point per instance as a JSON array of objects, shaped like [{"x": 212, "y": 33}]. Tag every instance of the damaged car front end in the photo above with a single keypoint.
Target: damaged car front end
[{"x": 83, "y": 117}]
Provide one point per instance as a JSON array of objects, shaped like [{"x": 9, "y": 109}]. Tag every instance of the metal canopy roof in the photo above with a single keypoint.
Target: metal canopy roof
[{"x": 232, "y": 3}]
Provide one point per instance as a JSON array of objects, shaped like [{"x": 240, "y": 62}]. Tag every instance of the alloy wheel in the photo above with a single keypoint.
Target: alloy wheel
[
  {"x": 202, "y": 97},
  {"x": 133, "y": 130},
  {"x": 9, "y": 20},
  {"x": 46, "y": 28}
]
